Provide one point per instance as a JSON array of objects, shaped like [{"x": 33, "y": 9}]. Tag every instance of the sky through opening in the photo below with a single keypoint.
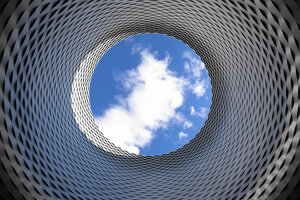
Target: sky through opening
[{"x": 150, "y": 94}]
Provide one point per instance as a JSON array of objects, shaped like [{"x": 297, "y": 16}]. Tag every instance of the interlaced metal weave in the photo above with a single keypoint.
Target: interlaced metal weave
[{"x": 51, "y": 148}]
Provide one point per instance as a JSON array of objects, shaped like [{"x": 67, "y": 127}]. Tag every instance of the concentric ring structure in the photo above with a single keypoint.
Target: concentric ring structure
[{"x": 52, "y": 149}]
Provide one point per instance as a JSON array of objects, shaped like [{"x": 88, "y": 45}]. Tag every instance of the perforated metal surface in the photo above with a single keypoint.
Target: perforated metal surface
[{"x": 51, "y": 148}]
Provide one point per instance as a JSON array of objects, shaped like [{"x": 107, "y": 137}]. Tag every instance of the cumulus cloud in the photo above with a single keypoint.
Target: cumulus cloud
[
  {"x": 155, "y": 95},
  {"x": 193, "y": 67},
  {"x": 187, "y": 124},
  {"x": 201, "y": 113},
  {"x": 182, "y": 137},
  {"x": 137, "y": 48},
  {"x": 199, "y": 88},
  {"x": 179, "y": 118}
]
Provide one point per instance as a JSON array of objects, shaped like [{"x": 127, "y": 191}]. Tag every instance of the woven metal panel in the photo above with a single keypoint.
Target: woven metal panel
[{"x": 51, "y": 148}]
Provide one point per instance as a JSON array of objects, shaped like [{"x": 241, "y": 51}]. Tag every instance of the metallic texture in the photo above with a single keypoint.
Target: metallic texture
[{"x": 51, "y": 148}]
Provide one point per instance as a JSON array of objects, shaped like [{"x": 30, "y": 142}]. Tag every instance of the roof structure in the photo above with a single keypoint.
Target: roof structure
[{"x": 51, "y": 147}]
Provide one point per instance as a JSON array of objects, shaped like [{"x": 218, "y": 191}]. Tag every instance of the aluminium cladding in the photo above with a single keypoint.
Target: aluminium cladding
[{"x": 51, "y": 147}]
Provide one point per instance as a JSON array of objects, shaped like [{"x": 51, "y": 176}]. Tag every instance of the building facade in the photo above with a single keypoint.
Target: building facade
[{"x": 51, "y": 147}]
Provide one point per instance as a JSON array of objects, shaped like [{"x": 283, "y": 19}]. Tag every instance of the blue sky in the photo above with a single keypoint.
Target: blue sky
[{"x": 150, "y": 94}]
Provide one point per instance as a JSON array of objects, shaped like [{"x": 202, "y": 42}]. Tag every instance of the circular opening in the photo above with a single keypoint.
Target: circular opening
[{"x": 150, "y": 94}]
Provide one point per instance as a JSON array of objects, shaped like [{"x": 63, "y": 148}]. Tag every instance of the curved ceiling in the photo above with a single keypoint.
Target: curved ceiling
[{"x": 51, "y": 147}]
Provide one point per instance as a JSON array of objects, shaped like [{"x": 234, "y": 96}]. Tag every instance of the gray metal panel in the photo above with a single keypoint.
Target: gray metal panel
[{"x": 51, "y": 148}]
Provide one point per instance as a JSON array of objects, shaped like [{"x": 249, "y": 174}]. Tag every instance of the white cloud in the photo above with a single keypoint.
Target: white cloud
[
  {"x": 192, "y": 111},
  {"x": 155, "y": 94},
  {"x": 202, "y": 113},
  {"x": 179, "y": 118},
  {"x": 187, "y": 124},
  {"x": 136, "y": 48},
  {"x": 193, "y": 67},
  {"x": 140, "y": 47},
  {"x": 182, "y": 137},
  {"x": 199, "y": 88}
]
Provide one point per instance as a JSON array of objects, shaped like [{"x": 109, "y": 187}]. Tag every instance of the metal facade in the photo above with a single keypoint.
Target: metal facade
[{"x": 51, "y": 148}]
